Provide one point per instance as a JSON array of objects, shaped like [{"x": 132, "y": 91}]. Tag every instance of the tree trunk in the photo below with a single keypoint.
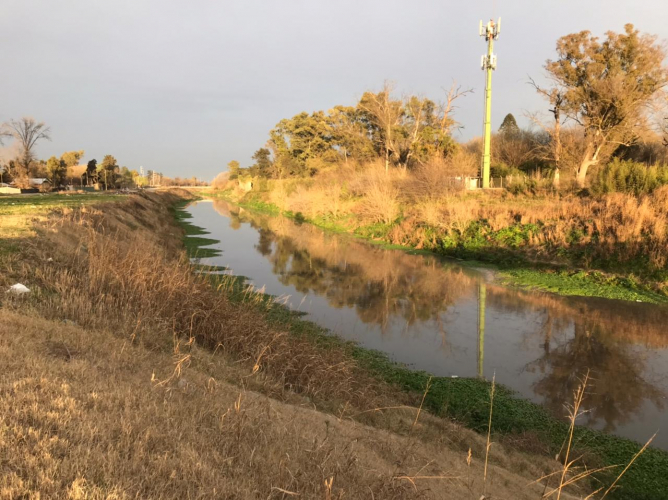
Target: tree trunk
[{"x": 582, "y": 171}]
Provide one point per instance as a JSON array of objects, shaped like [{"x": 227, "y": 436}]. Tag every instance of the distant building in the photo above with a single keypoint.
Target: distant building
[{"x": 38, "y": 181}]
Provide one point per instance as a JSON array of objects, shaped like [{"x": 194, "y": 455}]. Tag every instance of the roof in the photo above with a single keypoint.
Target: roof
[{"x": 38, "y": 181}]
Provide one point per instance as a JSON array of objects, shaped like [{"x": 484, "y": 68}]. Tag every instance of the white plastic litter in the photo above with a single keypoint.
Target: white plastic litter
[{"x": 18, "y": 289}]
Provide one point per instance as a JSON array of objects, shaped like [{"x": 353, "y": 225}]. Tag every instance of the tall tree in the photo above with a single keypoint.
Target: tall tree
[
  {"x": 350, "y": 133},
  {"x": 27, "y": 132},
  {"x": 385, "y": 114},
  {"x": 125, "y": 178},
  {"x": 299, "y": 139},
  {"x": 91, "y": 172},
  {"x": 606, "y": 87},
  {"x": 107, "y": 172},
  {"x": 233, "y": 168},
  {"x": 263, "y": 164}
]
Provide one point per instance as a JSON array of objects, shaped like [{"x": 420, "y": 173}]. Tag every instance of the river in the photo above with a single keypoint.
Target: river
[{"x": 449, "y": 319}]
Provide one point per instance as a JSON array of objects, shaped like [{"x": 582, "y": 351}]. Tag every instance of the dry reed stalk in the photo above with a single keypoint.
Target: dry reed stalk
[
  {"x": 417, "y": 415},
  {"x": 640, "y": 452}
]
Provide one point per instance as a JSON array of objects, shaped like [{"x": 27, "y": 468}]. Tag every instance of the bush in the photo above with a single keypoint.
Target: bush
[{"x": 626, "y": 176}]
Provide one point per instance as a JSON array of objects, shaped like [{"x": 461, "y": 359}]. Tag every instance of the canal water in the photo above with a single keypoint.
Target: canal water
[{"x": 449, "y": 319}]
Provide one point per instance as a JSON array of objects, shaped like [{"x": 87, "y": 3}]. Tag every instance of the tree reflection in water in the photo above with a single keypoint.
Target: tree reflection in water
[
  {"x": 575, "y": 334},
  {"x": 379, "y": 285},
  {"x": 599, "y": 336}
]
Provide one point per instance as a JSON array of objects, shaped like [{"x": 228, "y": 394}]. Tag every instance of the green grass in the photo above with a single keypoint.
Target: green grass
[
  {"x": 466, "y": 400},
  {"x": 29, "y": 204},
  {"x": 18, "y": 214},
  {"x": 581, "y": 283}
]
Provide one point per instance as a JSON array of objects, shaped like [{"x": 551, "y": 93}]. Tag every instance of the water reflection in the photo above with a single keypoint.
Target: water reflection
[
  {"x": 380, "y": 285},
  {"x": 432, "y": 313},
  {"x": 482, "y": 301},
  {"x": 619, "y": 389}
]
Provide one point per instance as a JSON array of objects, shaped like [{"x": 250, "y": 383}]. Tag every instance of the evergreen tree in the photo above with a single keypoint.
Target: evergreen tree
[
  {"x": 509, "y": 125},
  {"x": 91, "y": 172}
]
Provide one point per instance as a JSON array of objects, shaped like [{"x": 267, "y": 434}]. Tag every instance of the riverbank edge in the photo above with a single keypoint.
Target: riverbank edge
[
  {"x": 516, "y": 422},
  {"x": 558, "y": 279}
]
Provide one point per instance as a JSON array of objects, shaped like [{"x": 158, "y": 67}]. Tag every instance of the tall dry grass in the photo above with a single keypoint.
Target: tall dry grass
[
  {"x": 610, "y": 230},
  {"x": 133, "y": 401}
]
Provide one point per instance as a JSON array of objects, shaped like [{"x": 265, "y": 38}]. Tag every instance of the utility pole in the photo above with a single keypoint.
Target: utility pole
[{"x": 490, "y": 33}]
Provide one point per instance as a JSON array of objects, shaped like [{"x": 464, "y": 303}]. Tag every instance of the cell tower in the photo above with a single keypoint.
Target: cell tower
[{"x": 490, "y": 32}]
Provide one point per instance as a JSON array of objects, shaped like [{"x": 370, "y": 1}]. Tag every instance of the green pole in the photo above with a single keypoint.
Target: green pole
[{"x": 487, "y": 148}]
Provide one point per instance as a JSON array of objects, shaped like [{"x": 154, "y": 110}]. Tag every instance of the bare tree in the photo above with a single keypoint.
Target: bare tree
[
  {"x": 386, "y": 114},
  {"x": 606, "y": 88},
  {"x": 555, "y": 96},
  {"x": 26, "y": 132},
  {"x": 421, "y": 114},
  {"x": 447, "y": 108}
]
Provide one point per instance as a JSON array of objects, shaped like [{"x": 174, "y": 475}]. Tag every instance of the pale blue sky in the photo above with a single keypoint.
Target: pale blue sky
[{"x": 183, "y": 87}]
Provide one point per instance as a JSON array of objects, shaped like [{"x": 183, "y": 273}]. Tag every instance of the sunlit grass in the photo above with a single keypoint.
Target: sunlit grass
[{"x": 18, "y": 214}]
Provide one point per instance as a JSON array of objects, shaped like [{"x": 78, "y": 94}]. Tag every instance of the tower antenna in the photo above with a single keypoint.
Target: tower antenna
[{"x": 490, "y": 32}]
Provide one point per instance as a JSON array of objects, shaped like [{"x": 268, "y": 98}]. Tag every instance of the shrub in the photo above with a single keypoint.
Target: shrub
[{"x": 626, "y": 176}]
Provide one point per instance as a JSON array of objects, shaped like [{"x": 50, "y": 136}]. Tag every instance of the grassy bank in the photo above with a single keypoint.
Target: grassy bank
[
  {"x": 130, "y": 376},
  {"x": 19, "y": 214},
  {"x": 514, "y": 268},
  {"x": 515, "y": 421}
]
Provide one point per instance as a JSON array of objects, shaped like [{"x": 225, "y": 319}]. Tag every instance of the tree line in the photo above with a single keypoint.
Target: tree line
[
  {"x": 606, "y": 99},
  {"x": 61, "y": 171},
  {"x": 402, "y": 131}
]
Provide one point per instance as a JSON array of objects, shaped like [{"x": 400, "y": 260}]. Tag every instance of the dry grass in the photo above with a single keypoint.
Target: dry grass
[
  {"x": 155, "y": 393},
  {"x": 108, "y": 420},
  {"x": 621, "y": 227}
]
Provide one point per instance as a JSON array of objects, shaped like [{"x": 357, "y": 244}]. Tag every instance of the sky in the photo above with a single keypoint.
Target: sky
[{"x": 183, "y": 87}]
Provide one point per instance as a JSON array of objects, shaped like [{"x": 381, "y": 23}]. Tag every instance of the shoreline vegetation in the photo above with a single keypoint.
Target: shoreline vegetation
[
  {"x": 514, "y": 265},
  {"x": 581, "y": 193},
  {"x": 465, "y": 400},
  {"x": 148, "y": 360}
]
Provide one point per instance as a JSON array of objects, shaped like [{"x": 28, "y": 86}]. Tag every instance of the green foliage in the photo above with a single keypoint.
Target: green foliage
[
  {"x": 107, "y": 172},
  {"x": 125, "y": 179},
  {"x": 71, "y": 158},
  {"x": 263, "y": 166},
  {"x": 405, "y": 132},
  {"x": 350, "y": 133},
  {"x": 582, "y": 284},
  {"x": 606, "y": 86},
  {"x": 55, "y": 171},
  {"x": 233, "y": 168},
  {"x": 298, "y": 139},
  {"x": 626, "y": 176},
  {"x": 91, "y": 172}
]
